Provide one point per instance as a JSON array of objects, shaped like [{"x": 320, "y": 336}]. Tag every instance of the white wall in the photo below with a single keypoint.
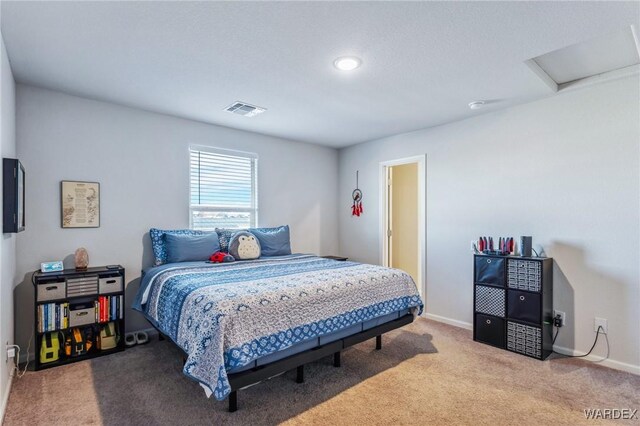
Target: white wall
[
  {"x": 8, "y": 244},
  {"x": 564, "y": 169},
  {"x": 141, "y": 161}
]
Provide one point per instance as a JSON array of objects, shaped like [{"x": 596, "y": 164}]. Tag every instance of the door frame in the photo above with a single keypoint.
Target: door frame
[{"x": 422, "y": 217}]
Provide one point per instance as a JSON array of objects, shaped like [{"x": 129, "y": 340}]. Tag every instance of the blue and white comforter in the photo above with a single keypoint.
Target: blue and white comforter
[{"x": 225, "y": 316}]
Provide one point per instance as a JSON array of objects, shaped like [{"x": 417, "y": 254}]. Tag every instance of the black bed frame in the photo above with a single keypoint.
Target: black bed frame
[{"x": 255, "y": 375}]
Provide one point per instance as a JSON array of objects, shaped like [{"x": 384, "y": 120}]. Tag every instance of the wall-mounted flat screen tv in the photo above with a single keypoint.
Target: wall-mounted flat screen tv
[{"x": 13, "y": 196}]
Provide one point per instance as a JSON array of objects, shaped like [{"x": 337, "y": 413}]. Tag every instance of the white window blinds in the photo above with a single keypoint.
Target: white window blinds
[{"x": 223, "y": 188}]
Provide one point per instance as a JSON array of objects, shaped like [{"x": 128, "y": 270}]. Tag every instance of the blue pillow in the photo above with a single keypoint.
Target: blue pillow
[
  {"x": 190, "y": 248},
  {"x": 273, "y": 241},
  {"x": 158, "y": 243}
]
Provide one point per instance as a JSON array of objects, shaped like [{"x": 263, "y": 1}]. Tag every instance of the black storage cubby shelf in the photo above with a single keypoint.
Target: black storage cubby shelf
[
  {"x": 513, "y": 303},
  {"x": 81, "y": 290}
]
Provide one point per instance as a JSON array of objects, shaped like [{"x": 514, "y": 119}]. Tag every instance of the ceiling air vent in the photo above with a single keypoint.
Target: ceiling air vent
[{"x": 245, "y": 109}]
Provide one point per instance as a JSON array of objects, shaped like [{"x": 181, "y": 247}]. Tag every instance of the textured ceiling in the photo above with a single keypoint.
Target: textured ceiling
[{"x": 423, "y": 62}]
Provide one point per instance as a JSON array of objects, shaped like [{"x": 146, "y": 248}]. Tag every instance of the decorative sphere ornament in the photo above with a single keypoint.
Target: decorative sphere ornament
[{"x": 82, "y": 258}]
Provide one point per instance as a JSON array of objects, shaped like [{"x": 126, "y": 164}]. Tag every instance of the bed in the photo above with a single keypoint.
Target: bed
[{"x": 241, "y": 322}]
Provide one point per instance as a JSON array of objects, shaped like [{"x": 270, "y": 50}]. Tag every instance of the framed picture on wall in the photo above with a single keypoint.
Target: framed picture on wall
[{"x": 80, "y": 204}]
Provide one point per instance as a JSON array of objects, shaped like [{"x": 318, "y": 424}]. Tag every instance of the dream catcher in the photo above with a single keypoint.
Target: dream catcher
[{"x": 356, "y": 208}]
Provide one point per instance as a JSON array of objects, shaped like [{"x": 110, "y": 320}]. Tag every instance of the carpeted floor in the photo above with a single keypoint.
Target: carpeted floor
[{"x": 426, "y": 373}]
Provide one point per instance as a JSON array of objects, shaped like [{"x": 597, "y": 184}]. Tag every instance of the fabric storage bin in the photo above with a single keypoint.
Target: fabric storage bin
[
  {"x": 52, "y": 291},
  {"x": 524, "y": 339},
  {"x": 489, "y": 329},
  {"x": 490, "y": 300},
  {"x": 524, "y": 306},
  {"x": 524, "y": 274},
  {"x": 490, "y": 271},
  {"x": 110, "y": 285},
  {"x": 82, "y": 314}
]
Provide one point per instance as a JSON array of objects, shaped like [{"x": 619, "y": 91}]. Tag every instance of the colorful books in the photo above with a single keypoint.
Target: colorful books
[
  {"x": 53, "y": 316},
  {"x": 109, "y": 308}
]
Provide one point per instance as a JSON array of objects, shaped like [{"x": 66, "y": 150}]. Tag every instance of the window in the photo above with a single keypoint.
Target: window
[{"x": 223, "y": 188}]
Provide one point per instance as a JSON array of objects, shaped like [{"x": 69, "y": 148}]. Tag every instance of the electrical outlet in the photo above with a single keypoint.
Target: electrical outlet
[
  {"x": 600, "y": 322},
  {"x": 563, "y": 317},
  {"x": 11, "y": 352}
]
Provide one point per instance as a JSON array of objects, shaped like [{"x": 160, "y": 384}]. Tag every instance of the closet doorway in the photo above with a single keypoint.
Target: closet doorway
[{"x": 402, "y": 230}]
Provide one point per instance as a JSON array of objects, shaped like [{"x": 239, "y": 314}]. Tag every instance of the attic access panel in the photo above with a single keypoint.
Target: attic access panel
[{"x": 589, "y": 58}]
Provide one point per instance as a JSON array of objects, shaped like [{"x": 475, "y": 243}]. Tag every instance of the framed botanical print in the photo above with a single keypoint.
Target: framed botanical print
[{"x": 80, "y": 204}]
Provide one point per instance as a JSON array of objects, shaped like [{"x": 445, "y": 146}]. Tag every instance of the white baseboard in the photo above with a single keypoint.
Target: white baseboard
[
  {"x": 617, "y": 365},
  {"x": 5, "y": 399},
  {"x": 450, "y": 321}
]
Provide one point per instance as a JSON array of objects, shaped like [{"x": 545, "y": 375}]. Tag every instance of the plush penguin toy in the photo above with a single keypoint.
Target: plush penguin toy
[{"x": 244, "y": 246}]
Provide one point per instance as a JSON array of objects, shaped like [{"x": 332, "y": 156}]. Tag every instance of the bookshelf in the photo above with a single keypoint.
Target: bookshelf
[{"x": 72, "y": 307}]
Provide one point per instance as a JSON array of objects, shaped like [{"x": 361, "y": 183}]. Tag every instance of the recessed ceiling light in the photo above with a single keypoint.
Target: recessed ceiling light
[
  {"x": 347, "y": 63},
  {"x": 476, "y": 104}
]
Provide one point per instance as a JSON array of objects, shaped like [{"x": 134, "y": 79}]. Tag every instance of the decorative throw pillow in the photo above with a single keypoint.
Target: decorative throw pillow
[
  {"x": 244, "y": 246},
  {"x": 158, "y": 244}
]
